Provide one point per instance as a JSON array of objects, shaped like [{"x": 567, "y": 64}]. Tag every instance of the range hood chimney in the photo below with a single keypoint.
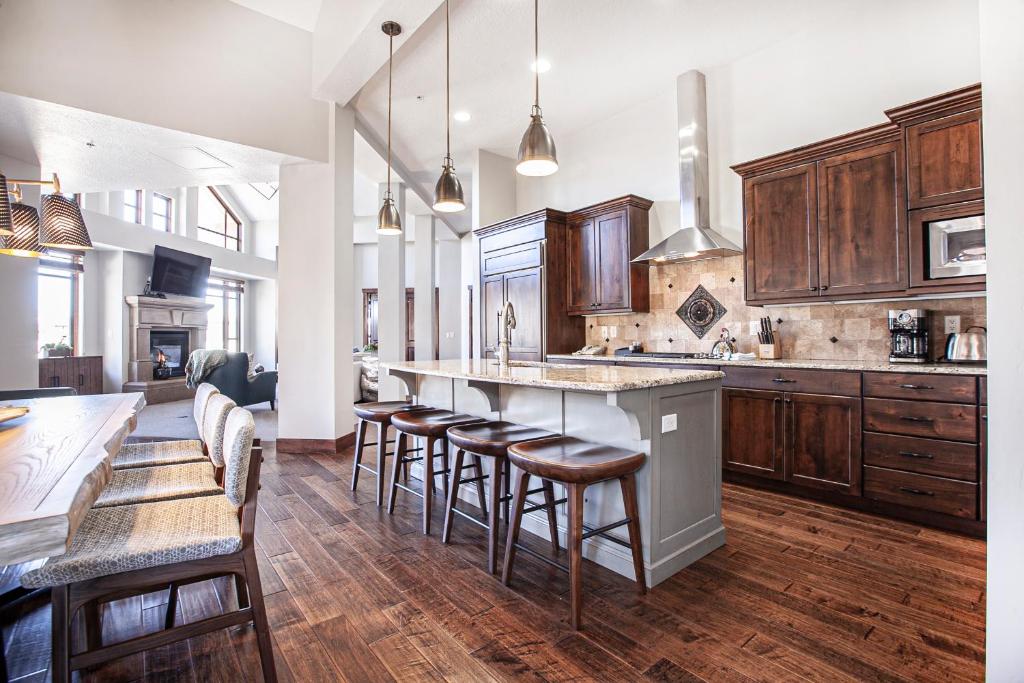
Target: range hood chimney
[{"x": 695, "y": 240}]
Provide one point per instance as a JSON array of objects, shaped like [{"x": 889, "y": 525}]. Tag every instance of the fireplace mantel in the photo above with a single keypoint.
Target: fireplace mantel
[{"x": 146, "y": 314}]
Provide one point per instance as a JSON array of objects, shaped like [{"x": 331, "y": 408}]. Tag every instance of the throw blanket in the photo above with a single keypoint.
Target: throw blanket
[{"x": 201, "y": 363}]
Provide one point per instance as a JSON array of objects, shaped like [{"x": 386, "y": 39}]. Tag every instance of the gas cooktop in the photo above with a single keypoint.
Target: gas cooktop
[{"x": 663, "y": 354}]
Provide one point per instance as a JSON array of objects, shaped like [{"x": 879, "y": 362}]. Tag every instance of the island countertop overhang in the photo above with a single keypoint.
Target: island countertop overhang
[{"x": 553, "y": 375}]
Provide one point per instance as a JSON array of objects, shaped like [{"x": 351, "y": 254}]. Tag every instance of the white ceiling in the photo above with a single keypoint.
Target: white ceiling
[{"x": 300, "y": 13}]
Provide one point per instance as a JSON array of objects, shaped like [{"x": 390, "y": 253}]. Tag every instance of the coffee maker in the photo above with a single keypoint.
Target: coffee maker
[{"x": 909, "y": 330}]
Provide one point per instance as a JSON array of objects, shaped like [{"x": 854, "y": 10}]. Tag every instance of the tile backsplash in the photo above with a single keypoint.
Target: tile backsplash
[{"x": 861, "y": 329}]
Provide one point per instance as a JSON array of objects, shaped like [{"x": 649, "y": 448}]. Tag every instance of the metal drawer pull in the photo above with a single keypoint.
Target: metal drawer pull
[
  {"x": 782, "y": 380},
  {"x": 910, "y": 418},
  {"x": 908, "y": 454},
  {"x": 916, "y": 492},
  {"x": 921, "y": 387}
]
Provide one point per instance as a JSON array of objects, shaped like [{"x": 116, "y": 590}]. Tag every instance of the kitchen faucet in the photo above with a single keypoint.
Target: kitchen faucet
[{"x": 506, "y": 323}]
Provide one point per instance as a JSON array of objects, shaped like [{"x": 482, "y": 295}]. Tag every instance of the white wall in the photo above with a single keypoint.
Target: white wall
[
  {"x": 261, "y": 321},
  {"x": 239, "y": 76},
  {"x": 828, "y": 80},
  {"x": 449, "y": 283},
  {"x": 1002, "y": 71},
  {"x": 364, "y": 271},
  {"x": 19, "y": 287}
]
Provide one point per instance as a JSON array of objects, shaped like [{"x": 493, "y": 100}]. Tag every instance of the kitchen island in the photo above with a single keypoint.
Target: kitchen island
[{"x": 673, "y": 416}]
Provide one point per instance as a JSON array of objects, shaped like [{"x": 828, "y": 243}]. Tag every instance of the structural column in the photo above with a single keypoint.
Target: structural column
[
  {"x": 392, "y": 336},
  {"x": 425, "y": 314}
]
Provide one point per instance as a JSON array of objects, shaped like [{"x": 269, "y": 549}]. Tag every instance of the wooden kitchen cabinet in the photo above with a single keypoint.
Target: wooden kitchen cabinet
[
  {"x": 752, "y": 434},
  {"x": 823, "y": 442},
  {"x": 603, "y": 239},
  {"x": 944, "y": 163}
]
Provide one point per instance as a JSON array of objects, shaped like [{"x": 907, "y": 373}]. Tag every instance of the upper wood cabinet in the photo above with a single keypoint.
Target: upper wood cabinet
[
  {"x": 829, "y": 221},
  {"x": 602, "y": 241}
]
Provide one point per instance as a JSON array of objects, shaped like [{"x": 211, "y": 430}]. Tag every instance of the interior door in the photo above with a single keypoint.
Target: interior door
[
  {"x": 781, "y": 234},
  {"x": 582, "y": 266},
  {"x": 823, "y": 442},
  {"x": 862, "y": 221},
  {"x": 752, "y": 438},
  {"x": 493, "y": 299},
  {"x": 524, "y": 288},
  {"x": 612, "y": 261}
]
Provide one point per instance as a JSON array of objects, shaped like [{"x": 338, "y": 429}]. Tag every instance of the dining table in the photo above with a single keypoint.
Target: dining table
[{"x": 54, "y": 462}]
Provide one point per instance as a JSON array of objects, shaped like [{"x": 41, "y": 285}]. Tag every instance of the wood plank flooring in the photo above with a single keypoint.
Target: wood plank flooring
[{"x": 801, "y": 591}]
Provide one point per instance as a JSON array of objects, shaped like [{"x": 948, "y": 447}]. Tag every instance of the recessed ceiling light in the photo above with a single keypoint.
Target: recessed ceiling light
[
  {"x": 462, "y": 116},
  {"x": 541, "y": 66}
]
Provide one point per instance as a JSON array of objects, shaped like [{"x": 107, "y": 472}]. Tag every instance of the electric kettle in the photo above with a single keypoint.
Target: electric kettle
[{"x": 967, "y": 347}]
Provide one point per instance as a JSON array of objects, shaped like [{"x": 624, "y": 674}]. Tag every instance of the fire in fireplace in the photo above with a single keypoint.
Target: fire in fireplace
[{"x": 169, "y": 350}]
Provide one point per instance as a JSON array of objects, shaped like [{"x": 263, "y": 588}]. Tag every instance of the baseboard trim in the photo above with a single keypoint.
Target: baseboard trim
[{"x": 316, "y": 446}]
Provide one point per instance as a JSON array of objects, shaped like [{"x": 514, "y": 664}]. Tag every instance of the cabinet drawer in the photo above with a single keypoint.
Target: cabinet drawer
[
  {"x": 797, "y": 381},
  {"x": 925, "y": 456},
  {"x": 512, "y": 258},
  {"x": 949, "y": 497},
  {"x": 952, "y": 388},
  {"x": 919, "y": 418}
]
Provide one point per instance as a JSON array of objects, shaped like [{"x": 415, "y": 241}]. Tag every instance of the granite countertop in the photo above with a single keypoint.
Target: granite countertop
[
  {"x": 596, "y": 377},
  {"x": 855, "y": 365}
]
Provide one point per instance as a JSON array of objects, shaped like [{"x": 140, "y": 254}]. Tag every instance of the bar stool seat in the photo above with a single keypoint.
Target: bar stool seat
[
  {"x": 492, "y": 439},
  {"x": 379, "y": 413},
  {"x": 577, "y": 464},
  {"x": 431, "y": 424}
]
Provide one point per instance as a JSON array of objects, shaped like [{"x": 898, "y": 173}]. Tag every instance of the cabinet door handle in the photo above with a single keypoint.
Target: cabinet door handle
[
  {"x": 813, "y": 288},
  {"x": 81, "y": 379},
  {"x": 824, "y": 287},
  {"x": 916, "y": 492},
  {"x": 910, "y": 454},
  {"x": 919, "y": 387},
  {"x": 783, "y": 380},
  {"x": 911, "y": 418}
]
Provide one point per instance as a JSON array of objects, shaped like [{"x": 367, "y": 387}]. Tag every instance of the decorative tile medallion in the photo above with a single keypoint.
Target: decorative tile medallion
[{"x": 700, "y": 311}]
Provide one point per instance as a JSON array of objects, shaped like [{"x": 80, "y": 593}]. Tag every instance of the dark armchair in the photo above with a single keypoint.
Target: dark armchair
[{"x": 232, "y": 379}]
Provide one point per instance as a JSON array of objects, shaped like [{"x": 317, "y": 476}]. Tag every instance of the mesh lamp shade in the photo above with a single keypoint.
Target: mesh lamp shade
[
  {"x": 25, "y": 240},
  {"x": 6, "y": 228},
  {"x": 62, "y": 225}
]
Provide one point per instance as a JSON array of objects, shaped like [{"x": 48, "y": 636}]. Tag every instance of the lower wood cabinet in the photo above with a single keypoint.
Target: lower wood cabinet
[
  {"x": 84, "y": 374},
  {"x": 752, "y": 432}
]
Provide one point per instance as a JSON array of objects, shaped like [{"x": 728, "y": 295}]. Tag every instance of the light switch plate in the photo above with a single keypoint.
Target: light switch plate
[
  {"x": 755, "y": 327},
  {"x": 952, "y": 324},
  {"x": 669, "y": 423}
]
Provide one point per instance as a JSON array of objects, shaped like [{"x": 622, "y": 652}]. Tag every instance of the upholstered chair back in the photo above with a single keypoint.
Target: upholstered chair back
[
  {"x": 203, "y": 394},
  {"x": 238, "y": 436},
  {"x": 213, "y": 427}
]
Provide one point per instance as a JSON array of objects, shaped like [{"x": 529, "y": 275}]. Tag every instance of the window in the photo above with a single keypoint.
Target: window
[
  {"x": 59, "y": 274},
  {"x": 133, "y": 206},
  {"x": 224, "y": 321},
  {"x": 217, "y": 223},
  {"x": 161, "y": 212}
]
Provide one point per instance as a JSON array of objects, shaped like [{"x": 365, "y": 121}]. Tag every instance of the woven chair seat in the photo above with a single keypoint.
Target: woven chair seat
[
  {"x": 126, "y": 538},
  {"x": 156, "y": 453},
  {"x": 155, "y": 484}
]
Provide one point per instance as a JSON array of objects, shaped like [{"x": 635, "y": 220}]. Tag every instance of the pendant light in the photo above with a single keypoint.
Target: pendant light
[
  {"x": 537, "y": 155},
  {"x": 6, "y": 228},
  {"x": 25, "y": 239},
  {"x": 389, "y": 222},
  {"x": 61, "y": 224},
  {"x": 448, "y": 196}
]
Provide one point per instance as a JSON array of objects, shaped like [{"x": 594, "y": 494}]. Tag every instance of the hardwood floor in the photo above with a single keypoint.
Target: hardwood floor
[{"x": 801, "y": 591}]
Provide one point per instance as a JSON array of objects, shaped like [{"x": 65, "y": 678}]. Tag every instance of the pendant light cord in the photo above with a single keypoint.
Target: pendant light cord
[
  {"x": 391, "y": 56},
  {"x": 536, "y": 55},
  {"x": 447, "y": 83}
]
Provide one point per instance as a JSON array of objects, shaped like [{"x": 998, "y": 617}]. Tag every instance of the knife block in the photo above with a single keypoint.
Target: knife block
[{"x": 769, "y": 351}]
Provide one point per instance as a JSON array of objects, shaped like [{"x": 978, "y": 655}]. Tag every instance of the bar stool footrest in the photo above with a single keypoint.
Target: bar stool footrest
[
  {"x": 543, "y": 558},
  {"x": 589, "y": 532}
]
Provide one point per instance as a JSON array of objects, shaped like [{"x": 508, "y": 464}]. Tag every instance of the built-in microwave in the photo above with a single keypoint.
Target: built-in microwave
[{"x": 956, "y": 246}]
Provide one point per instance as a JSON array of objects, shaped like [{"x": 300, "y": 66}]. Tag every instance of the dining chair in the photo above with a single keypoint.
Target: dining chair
[{"x": 134, "y": 549}]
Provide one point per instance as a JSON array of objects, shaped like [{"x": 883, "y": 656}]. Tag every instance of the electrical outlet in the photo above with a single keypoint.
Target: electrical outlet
[
  {"x": 604, "y": 331},
  {"x": 755, "y": 327},
  {"x": 669, "y": 423},
  {"x": 952, "y": 324}
]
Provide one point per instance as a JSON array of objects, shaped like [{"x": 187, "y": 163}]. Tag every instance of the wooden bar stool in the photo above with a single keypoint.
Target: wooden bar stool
[
  {"x": 432, "y": 424},
  {"x": 492, "y": 439},
  {"x": 577, "y": 464},
  {"x": 379, "y": 413}
]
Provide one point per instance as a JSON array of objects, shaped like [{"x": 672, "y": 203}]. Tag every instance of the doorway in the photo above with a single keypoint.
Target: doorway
[{"x": 371, "y": 312}]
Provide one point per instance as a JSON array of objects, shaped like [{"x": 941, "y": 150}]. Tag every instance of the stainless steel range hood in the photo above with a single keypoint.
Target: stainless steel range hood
[{"x": 695, "y": 240}]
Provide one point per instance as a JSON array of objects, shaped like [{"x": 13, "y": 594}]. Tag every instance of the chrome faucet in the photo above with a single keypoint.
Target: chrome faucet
[{"x": 506, "y": 323}]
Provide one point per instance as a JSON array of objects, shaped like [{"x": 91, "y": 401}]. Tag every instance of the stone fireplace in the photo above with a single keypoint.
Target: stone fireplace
[{"x": 168, "y": 327}]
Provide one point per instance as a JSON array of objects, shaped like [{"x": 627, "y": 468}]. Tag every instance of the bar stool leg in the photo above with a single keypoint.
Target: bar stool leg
[
  {"x": 444, "y": 467},
  {"x": 400, "y": 448},
  {"x": 628, "y": 484},
  {"x": 575, "y": 553},
  {"x": 477, "y": 462},
  {"x": 428, "y": 483},
  {"x": 549, "y": 501},
  {"x": 453, "y": 497},
  {"x": 358, "y": 456},
  {"x": 506, "y": 481},
  {"x": 382, "y": 449},
  {"x": 519, "y": 500},
  {"x": 497, "y": 481}
]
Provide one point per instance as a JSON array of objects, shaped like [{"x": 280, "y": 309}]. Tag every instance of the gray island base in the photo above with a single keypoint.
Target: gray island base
[{"x": 673, "y": 416}]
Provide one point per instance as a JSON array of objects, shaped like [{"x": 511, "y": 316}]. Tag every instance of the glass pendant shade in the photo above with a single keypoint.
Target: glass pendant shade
[
  {"x": 537, "y": 154},
  {"x": 448, "y": 196},
  {"x": 6, "y": 228},
  {"x": 389, "y": 222},
  {"x": 24, "y": 241},
  {"x": 61, "y": 224}
]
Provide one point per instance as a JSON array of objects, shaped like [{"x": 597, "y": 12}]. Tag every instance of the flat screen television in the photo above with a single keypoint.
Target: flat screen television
[{"x": 178, "y": 272}]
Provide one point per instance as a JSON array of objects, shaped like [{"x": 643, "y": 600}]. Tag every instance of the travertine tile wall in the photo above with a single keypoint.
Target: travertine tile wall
[{"x": 805, "y": 331}]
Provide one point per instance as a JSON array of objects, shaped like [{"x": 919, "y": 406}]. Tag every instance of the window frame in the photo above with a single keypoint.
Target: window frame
[
  {"x": 168, "y": 227},
  {"x": 223, "y": 232},
  {"x": 72, "y": 264},
  {"x": 230, "y": 289},
  {"x": 138, "y": 206}
]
